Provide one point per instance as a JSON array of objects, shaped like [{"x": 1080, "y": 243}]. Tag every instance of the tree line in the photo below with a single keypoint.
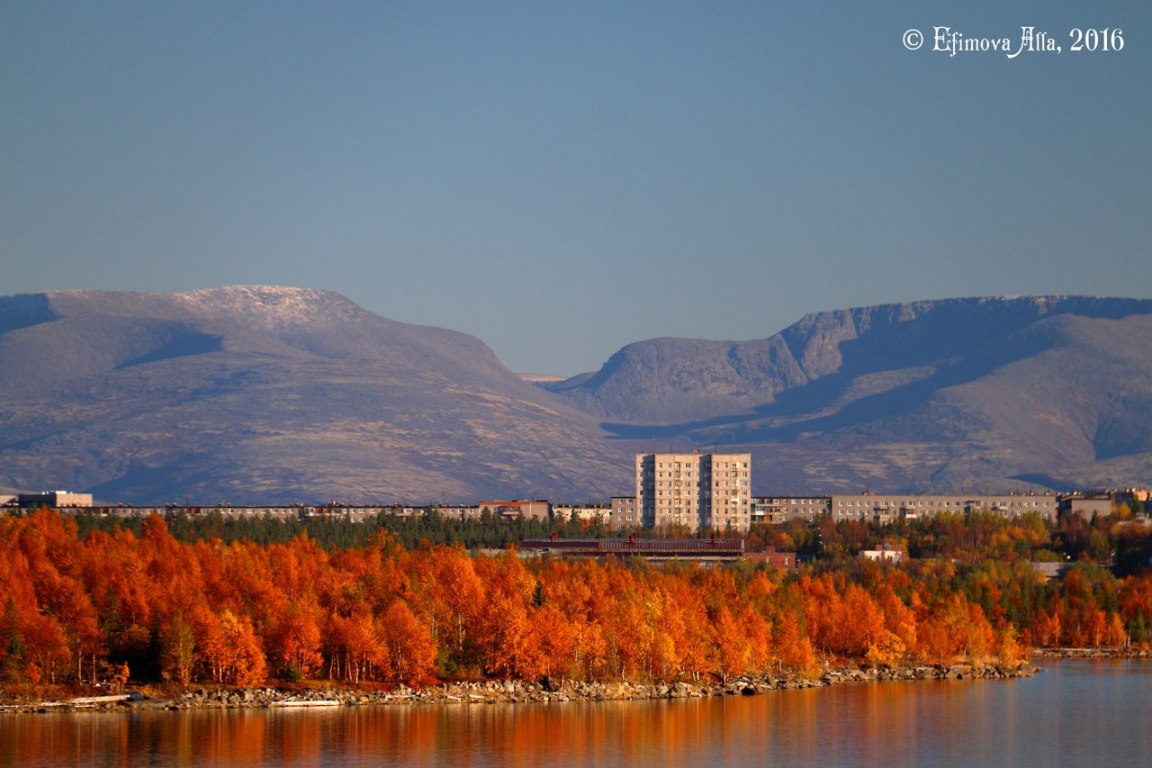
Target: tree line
[
  {"x": 335, "y": 531},
  {"x": 136, "y": 602}
]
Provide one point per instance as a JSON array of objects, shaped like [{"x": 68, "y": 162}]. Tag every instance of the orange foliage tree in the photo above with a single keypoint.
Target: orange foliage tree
[{"x": 72, "y": 607}]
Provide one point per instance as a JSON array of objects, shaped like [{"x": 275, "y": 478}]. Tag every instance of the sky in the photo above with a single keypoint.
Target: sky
[{"x": 562, "y": 179}]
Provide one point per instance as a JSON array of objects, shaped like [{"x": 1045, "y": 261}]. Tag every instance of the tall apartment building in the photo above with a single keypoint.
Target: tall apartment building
[{"x": 694, "y": 489}]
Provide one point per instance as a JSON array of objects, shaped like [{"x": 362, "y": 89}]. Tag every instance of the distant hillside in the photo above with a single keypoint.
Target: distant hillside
[
  {"x": 273, "y": 394},
  {"x": 946, "y": 395},
  {"x": 258, "y": 394}
]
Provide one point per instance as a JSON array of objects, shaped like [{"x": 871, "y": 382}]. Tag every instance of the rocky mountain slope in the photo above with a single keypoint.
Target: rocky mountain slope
[
  {"x": 258, "y": 394},
  {"x": 935, "y": 395}
]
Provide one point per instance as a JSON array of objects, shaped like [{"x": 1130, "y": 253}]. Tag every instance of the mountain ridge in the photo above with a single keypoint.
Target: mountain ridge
[
  {"x": 802, "y": 353},
  {"x": 274, "y": 394},
  {"x": 265, "y": 394},
  {"x": 899, "y": 396}
]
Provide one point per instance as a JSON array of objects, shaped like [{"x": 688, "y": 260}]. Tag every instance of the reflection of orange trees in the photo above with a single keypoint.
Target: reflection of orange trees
[
  {"x": 686, "y": 733},
  {"x": 232, "y": 738},
  {"x": 301, "y": 742},
  {"x": 71, "y": 607}
]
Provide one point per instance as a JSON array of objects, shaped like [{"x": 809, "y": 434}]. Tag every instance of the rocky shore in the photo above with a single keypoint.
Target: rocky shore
[
  {"x": 509, "y": 691},
  {"x": 1091, "y": 653}
]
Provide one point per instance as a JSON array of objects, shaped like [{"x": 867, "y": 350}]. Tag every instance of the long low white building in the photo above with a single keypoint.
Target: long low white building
[
  {"x": 871, "y": 507},
  {"x": 880, "y": 508}
]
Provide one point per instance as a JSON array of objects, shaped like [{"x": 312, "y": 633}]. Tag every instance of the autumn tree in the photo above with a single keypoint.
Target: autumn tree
[
  {"x": 294, "y": 640},
  {"x": 411, "y": 651},
  {"x": 179, "y": 651},
  {"x": 45, "y": 648},
  {"x": 356, "y": 648}
]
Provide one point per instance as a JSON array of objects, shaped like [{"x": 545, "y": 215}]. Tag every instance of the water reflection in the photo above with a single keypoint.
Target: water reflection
[{"x": 1075, "y": 713}]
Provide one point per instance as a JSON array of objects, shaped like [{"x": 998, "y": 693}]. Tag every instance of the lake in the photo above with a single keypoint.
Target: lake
[{"x": 1074, "y": 713}]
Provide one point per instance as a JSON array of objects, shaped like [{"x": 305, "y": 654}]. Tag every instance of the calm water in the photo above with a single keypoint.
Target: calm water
[{"x": 1075, "y": 713}]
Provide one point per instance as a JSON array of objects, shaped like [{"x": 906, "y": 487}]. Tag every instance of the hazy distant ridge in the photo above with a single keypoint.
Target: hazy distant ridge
[
  {"x": 932, "y": 394},
  {"x": 258, "y": 393},
  {"x": 667, "y": 378},
  {"x": 277, "y": 394}
]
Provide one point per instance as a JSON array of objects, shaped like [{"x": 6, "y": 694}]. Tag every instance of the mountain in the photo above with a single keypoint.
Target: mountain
[
  {"x": 952, "y": 395},
  {"x": 276, "y": 395}
]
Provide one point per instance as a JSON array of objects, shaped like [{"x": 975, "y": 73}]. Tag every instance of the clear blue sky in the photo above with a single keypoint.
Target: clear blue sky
[{"x": 561, "y": 179}]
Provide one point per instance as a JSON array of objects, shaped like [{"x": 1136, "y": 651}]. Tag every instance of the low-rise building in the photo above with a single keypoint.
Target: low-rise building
[
  {"x": 882, "y": 508},
  {"x": 1049, "y": 570},
  {"x": 886, "y": 554},
  {"x": 785, "y": 560},
  {"x": 625, "y": 513},
  {"x": 534, "y": 510},
  {"x": 457, "y": 512},
  {"x": 54, "y": 499},
  {"x": 780, "y": 509},
  {"x": 1086, "y": 506},
  {"x": 585, "y": 512}
]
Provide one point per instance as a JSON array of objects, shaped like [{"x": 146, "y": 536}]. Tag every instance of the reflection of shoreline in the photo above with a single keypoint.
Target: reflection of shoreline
[
  {"x": 1072, "y": 714},
  {"x": 516, "y": 691}
]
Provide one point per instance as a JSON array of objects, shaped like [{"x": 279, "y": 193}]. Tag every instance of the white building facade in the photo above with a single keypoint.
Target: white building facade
[{"x": 694, "y": 490}]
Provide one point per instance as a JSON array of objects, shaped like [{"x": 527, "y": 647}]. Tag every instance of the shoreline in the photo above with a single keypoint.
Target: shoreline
[
  {"x": 1091, "y": 653},
  {"x": 505, "y": 691}
]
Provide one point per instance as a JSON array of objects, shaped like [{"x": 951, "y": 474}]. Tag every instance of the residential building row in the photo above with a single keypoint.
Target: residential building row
[
  {"x": 629, "y": 512},
  {"x": 696, "y": 490},
  {"x": 883, "y": 508},
  {"x": 689, "y": 490}
]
